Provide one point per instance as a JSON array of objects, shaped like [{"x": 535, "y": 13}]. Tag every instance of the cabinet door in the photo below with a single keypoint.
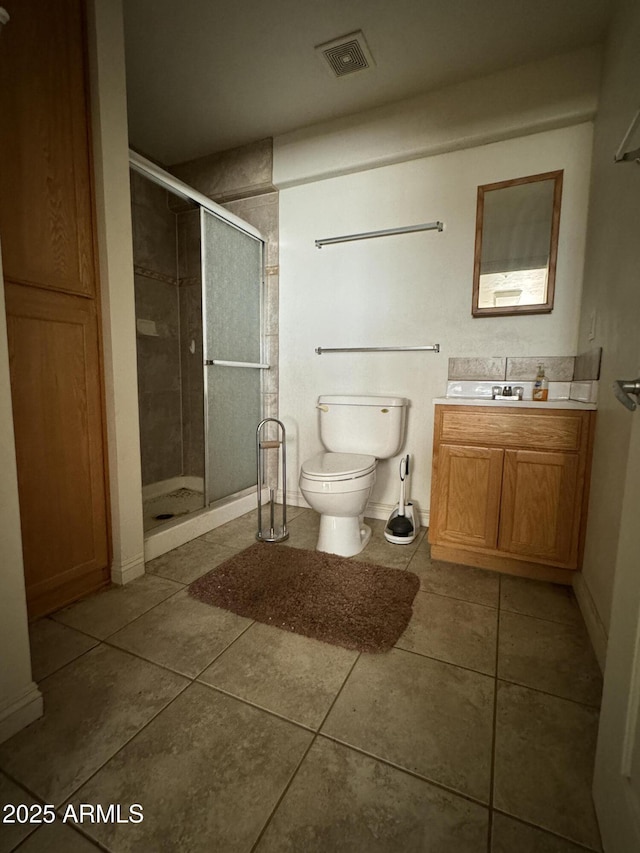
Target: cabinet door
[
  {"x": 53, "y": 314},
  {"x": 467, "y": 495},
  {"x": 539, "y": 501},
  {"x": 54, "y": 364}
]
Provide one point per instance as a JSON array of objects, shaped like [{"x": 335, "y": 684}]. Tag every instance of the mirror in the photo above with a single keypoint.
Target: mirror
[{"x": 517, "y": 224}]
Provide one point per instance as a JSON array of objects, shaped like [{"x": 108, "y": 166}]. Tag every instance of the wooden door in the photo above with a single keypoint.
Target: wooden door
[
  {"x": 539, "y": 505},
  {"x": 467, "y": 495},
  {"x": 616, "y": 786},
  {"x": 47, "y": 231}
]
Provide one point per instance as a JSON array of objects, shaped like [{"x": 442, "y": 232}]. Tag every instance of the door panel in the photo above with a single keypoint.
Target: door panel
[
  {"x": 46, "y": 219},
  {"x": 468, "y": 495},
  {"x": 54, "y": 362},
  {"x": 53, "y": 320},
  {"x": 232, "y": 294},
  {"x": 539, "y": 496},
  {"x": 616, "y": 785}
]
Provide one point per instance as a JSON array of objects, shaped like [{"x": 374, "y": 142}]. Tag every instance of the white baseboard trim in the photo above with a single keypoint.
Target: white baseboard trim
[
  {"x": 374, "y": 509},
  {"x": 19, "y": 712},
  {"x": 163, "y": 487},
  {"x": 128, "y": 571},
  {"x": 595, "y": 627},
  {"x": 158, "y": 542}
]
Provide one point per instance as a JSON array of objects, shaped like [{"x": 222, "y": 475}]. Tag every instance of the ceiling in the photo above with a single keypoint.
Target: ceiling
[{"x": 207, "y": 75}]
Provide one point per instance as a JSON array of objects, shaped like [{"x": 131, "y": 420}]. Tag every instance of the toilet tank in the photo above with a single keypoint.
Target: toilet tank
[{"x": 368, "y": 424}]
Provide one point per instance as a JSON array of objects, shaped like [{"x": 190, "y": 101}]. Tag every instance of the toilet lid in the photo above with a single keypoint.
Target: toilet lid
[{"x": 338, "y": 466}]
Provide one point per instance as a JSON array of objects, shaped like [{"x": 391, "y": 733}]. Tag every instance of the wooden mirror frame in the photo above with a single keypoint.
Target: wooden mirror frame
[{"x": 512, "y": 310}]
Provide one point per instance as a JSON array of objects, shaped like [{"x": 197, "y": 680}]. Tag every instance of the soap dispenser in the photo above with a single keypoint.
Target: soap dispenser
[{"x": 541, "y": 385}]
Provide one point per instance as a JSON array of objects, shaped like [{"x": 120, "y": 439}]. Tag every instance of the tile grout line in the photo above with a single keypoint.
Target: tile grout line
[
  {"x": 551, "y": 695},
  {"x": 548, "y": 831},
  {"x": 135, "y": 618},
  {"x": 446, "y": 662},
  {"x": 406, "y": 770},
  {"x": 455, "y": 598},
  {"x": 122, "y": 746},
  {"x": 299, "y": 765},
  {"x": 495, "y": 725},
  {"x": 573, "y": 624}
]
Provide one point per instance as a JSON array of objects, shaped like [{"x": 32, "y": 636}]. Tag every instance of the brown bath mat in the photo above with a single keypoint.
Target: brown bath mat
[{"x": 356, "y": 605}]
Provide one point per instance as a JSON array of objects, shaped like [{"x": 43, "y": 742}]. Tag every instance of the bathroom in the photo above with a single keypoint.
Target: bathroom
[{"x": 382, "y": 169}]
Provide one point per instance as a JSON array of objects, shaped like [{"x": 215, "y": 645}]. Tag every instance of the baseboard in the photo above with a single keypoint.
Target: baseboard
[
  {"x": 374, "y": 509},
  {"x": 163, "y": 487},
  {"x": 595, "y": 627},
  {"x": 128, "y": 571},
  {"x": 18, "y": 713}
]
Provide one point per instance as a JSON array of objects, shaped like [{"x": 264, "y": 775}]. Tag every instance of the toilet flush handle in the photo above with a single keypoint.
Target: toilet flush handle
[{"x": 322, "y": 408}]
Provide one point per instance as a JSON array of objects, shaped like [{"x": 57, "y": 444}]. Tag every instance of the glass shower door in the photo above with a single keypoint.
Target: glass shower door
[{"x": 232, "y": 314}]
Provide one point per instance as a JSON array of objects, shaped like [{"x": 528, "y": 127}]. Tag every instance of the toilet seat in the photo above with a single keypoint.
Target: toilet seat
[{"x": 332, "y": 467}]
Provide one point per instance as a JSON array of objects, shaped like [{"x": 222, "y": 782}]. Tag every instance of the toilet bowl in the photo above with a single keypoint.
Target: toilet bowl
[
  {"x": 338, "y": 486},
  {"x": 337, "y": 483}
]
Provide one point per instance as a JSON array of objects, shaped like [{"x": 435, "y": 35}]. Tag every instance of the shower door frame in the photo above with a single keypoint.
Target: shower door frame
[{"x": 169, "y": 182}]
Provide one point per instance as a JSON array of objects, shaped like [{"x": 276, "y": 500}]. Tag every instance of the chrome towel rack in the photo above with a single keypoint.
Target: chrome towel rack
[
  {"x": 367, "y": 235},
  {"x": 429, "y": 348}
]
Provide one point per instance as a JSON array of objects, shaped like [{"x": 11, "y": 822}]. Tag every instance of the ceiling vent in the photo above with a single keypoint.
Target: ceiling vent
[{"x": 346, "y": 55}]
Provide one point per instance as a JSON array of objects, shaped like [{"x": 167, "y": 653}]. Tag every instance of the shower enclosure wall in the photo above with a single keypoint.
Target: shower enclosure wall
[{"x": 199, "y": 381}]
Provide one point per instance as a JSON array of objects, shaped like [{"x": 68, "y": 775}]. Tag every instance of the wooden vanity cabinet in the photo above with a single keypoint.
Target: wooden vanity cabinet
[{"x": 510, "y": 488}]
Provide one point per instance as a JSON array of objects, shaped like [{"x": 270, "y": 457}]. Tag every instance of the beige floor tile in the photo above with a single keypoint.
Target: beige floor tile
[
  {"x": 208, "y": 771},
  {"x": 106, "y": 612},
  {"x": 544, "y": 762},
  {"x": 343, "y": 801},
  {"x": 549, "y": 656},
  {"x": 429, "y": 717},
  {"x": 294, "y": 676},
  {"x": 92, "y": 707},
  {"x": 303, "y": 530},
  {"x": 511, "y": 836},
  {"x": 189, "y": 562},
  {"x": 537, "y": 598},
  {"x": 181, "y": 633},
  {"x": 385, "y": 553},
  {"x": 53, "y": 645},
  {"x": 456, "y": 581},
  {"x": 237, "y": 534},
  {"x": 11, "y": 834},
  {"x": 453, "y": 631},
  {"x": 58, "y": 838}
]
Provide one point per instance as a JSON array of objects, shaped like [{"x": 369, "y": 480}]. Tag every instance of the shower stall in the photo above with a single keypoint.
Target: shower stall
[{"x": 199, "y": 328}]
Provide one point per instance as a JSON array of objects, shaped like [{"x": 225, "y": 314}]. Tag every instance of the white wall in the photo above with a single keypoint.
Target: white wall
[
  {"x": 543, "y": 95},
  {"x": 411, "y": 289},
  {"x": 612, "y": 292},
  {"x": 20, "y": 699}
]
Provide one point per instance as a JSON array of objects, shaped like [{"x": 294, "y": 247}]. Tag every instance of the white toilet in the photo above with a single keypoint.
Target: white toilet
[{"x": 357, "y": 431}]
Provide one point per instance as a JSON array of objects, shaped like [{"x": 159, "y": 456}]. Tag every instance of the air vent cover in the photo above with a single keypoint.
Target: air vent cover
[{"x": 346, "y": 55}]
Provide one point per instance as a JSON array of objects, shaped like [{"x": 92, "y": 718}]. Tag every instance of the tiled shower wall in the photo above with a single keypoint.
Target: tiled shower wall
[{"x": 166, "y": 252}]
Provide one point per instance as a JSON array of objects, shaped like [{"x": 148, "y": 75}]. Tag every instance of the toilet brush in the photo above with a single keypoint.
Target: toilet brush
[{"x": 399, "y": 524}]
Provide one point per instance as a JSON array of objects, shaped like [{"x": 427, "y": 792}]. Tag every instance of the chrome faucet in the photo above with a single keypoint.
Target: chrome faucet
[{"x": 507, "y": 392}]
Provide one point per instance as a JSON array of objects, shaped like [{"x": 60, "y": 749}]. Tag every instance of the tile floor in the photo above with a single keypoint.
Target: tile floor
[{"x": 475, "y": 734}]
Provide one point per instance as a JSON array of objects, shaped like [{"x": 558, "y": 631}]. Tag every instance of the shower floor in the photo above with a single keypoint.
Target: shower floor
[{"x": 172, "y": 504}]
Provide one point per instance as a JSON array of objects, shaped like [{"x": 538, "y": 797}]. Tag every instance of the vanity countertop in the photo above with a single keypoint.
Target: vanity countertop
[{"x": 515, "y": 404}]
